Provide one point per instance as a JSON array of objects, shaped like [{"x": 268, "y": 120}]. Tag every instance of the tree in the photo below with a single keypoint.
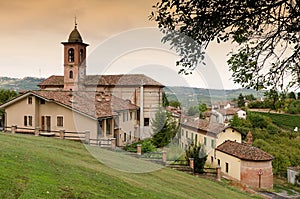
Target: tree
[
  {"x": 199, "y": 155},
  {"x": 193, "y": 110},
  {"x": 164, "y": 128},
  {"x": 165, "y": 101},
  {"x": 175, "y": 104},
  {"x": 250, "y": 97},
  {"x": 266, "y": 31},
  {"x": 241, "y": 101},
  {"x": 291, "y": 95}
]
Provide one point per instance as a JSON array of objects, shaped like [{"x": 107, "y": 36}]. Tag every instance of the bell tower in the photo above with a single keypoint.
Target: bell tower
[{"x": 74, "y": 61}]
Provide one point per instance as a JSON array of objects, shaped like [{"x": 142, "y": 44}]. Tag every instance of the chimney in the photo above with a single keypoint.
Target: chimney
[{"x": 249, "y": 138}]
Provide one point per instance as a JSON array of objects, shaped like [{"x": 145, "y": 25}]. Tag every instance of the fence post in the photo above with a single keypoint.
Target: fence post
[
  {"x": 164, "y": 157},
  {"x": 87, "y": 137},
  {"x": 218, "y": 170},
  {"x": 191, "y": 163},
  {"x": 62, "y": 134},
  {"x": 113, "y": 143},
  {"x": 139, "y": 149},
  {"x": 14, "y": 129},
  {"x": 37, "y": 131}
]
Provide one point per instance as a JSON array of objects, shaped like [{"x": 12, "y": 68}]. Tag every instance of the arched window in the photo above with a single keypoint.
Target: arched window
[
  {"x": 81, "y": 55},
  {"x": 71, "y": 55},
  {"x": 71, "y": 74}
]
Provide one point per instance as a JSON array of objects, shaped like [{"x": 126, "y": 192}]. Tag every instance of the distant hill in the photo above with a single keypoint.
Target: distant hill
[
  {"x": 190, "y": 96},
  {"x": 19, "y": 84}
]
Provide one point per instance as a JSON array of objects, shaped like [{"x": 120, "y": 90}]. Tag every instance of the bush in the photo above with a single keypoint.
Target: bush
[
  {"x": 147, "y": 146},
  {"x": 199, "y": 155}
]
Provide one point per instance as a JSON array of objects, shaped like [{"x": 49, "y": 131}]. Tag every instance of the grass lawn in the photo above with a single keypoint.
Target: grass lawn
[{"x": 39, "y": 167}]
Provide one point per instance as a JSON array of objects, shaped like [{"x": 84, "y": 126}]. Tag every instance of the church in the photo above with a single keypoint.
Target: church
[{"x": 107, "y": 106}]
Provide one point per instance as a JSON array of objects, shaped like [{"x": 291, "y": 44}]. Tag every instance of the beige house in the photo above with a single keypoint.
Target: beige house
[
  {"x": 119, "y": 106},
  {"x": 104, "y": 116}
]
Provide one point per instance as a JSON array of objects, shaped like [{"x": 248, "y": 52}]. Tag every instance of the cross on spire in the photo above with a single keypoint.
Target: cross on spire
[{"x": 75, "y": 21}]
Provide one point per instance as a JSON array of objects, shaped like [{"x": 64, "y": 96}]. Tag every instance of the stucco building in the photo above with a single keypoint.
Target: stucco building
[{"x": 119, "y": 106}]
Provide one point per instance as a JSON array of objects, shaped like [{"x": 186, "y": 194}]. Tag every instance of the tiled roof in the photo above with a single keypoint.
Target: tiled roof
[
  {"x": 244, "y": 151},
  {"x": 107, "y": 80},
  {"x": 228, "y": 111},
  {"x": 97, "y": 105},
  {"x": 202, "y": 124},
  {"x": 53, "y": 80}
]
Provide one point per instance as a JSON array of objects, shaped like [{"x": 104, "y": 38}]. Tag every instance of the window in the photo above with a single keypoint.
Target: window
[
  {"x": 192, "y": 136},
  {"x": 146, "y": 121},
  {"x": 27, "y": 120},
  {"x": 219, "y": 162},
  {"x": 186, "y": 134},
  {"x": 212, "y": 143},
  {"x": 205, "y": 141},
  {"x": 212, "y": 159},
  {"x": 196, "y": 138},
  {"x": 182, "y": 132},
  {"x": 125, "y": 137},
  {"x": 71, "y": 74},
  {"x": 130, "y": 135},
  {"x": 29, "y": 100},
  {"x": 71, "y": 55},
  {"x": 42, "y": 101},
  {"x": 59, "y": 121},
  {"x": 125, "y": 116},
  {"x": 226, "y": 167},
  {"x": 81, "y": 55},
  {"x": 130, "y": 115}
]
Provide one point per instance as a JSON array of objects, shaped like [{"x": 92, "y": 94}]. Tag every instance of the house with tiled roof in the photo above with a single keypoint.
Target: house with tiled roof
[
  {"x": 245, "y": 163},
  {"x": 224, "y": 147},
  {"x": 108, "y": 106}
]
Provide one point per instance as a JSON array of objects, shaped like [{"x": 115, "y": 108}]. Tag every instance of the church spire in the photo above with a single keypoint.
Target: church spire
[{"x": 75, "y": 20}]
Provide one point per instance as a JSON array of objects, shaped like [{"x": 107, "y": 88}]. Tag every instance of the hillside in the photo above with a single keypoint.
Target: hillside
[
  {"x": 189, "y": 96},
  {"x": 19, "y": 84},
  {"x": 39, "y": 167}
]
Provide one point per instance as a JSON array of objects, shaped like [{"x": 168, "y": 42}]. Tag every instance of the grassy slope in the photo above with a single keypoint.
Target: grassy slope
[
  {"x": 37, "y": 167},
  {"x": 285, "y": 121}
]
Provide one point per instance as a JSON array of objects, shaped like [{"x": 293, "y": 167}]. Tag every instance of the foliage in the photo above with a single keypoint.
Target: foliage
[
  {"x": 199, "y": 155},
  {"x": 6, "y": 95},
  {"x": 294, "y": 107},
  {"x": 147, "y": 146},
  {"x": 266, "y": 135},
  {"x": 193, "y": 110},
  {"x": 165, "y": 101},
  {"x": 175, "y": 104},
  {"x": 65, "y": 169},
  {"x": 241, "y": 101},
  {"x": 288, "y": 122},
  {"x": 164, "y": 128},
  {"x": 250, "y": 97},
  {"x": 266, "y": 32},
  {"x": 291, "y": 95}
]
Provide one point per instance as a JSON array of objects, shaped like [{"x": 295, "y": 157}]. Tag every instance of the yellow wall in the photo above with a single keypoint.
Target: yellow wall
[
  {"x": 234, "y": 164},
  {"x": 229, "y": 134}
]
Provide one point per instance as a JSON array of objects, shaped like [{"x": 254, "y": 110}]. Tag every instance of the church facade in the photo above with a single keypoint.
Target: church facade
[{"x": 108, "y": 106}]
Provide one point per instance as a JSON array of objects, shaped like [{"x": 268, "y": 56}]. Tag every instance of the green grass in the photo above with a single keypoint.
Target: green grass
[
  {"x": 38, "y": 167},
  {"x": 285, "y": 121}
]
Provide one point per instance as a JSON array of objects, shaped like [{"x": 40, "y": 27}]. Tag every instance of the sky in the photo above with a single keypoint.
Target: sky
[{"x": 121, "y": 40}]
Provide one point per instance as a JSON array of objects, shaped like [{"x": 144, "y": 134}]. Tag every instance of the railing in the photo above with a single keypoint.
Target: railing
[{"x": 68, "y": 135}]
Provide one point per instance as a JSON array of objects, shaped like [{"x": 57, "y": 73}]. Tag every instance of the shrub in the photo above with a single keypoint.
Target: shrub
[{"x": 199, "y": 155}]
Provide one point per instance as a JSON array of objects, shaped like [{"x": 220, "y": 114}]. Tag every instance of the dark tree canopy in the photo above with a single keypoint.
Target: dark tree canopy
[{"x": 267, "y": 32}]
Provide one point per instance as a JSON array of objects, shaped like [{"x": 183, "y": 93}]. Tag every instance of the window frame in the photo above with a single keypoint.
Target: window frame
[{"x": 59, "y": 121}]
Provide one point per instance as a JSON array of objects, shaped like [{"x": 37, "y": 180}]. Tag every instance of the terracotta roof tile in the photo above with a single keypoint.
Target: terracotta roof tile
[
  {"x": 244, "y": 151},
  {"x": 202, "y": 124},
  {"x": 97, "y": 105},
  {"x": 106, "y": 80}
]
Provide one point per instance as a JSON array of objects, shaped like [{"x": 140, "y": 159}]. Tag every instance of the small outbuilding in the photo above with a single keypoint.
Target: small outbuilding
[
  {"x": 292, "y": 172},
  {"x": 245, "y": 163}
]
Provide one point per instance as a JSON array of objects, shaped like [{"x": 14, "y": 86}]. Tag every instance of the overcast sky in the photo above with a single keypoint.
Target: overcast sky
[{"x": 121, "y": 38}]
